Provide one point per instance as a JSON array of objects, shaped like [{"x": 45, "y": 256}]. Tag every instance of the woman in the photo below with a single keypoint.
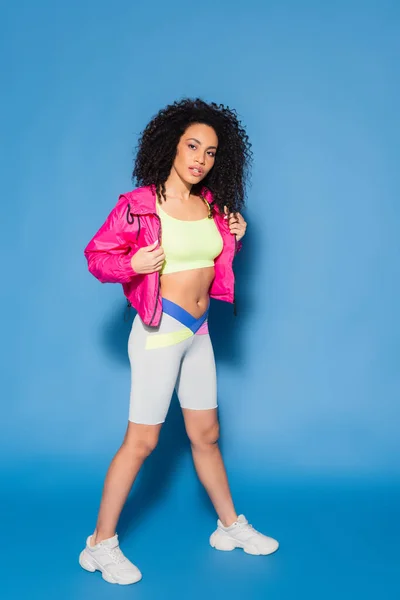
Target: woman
[{"x": 171, "y": 243}]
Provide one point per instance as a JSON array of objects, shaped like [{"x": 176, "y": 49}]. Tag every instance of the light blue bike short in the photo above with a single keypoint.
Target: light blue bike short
[{"x": 176, "y": 354}]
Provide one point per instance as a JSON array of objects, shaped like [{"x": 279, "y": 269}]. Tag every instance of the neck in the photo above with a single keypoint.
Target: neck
[{"x": 176, "y": 187}]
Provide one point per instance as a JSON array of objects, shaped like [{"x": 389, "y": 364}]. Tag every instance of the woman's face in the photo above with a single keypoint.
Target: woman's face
[{"x": 195, "y": 155}]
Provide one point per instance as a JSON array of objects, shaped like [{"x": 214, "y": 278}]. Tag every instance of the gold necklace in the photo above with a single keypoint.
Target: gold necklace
[{"x": 208, "y": 206}]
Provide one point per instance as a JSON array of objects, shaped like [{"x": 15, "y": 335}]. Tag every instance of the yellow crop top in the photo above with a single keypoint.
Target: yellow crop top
[{"x": 188, "y": 244}]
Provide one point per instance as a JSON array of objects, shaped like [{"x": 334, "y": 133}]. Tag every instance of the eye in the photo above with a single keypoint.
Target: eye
[
  {"x": 192, "y": 146},
  {"x": 212, "y": 154}
]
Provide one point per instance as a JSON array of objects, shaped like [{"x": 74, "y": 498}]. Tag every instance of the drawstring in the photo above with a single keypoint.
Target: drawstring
[{"x": 129, "y": 216}]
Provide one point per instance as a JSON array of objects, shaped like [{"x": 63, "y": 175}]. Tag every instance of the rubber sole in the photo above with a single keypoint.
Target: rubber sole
[
  {"x": 89, "y": 563},
  {"x": 225, "y": 543}
]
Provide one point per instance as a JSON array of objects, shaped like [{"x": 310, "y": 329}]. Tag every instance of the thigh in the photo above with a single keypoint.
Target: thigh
[
  {"x": 196, "y": 385},
  {"x": 154, "y": 370}
]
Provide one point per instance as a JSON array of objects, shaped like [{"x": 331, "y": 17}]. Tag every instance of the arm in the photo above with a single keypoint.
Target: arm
[{"x": 110, "y": 251}]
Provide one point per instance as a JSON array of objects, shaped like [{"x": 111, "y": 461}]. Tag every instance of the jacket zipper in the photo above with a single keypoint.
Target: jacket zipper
[
  {"x": 130, "y": 218},
  {"x": 158, "y": 273},
  {"x": 234, "y": 282}
]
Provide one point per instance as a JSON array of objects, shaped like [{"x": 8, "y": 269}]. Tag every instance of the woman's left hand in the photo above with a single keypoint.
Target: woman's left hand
[{"x": 237, "y": 225}]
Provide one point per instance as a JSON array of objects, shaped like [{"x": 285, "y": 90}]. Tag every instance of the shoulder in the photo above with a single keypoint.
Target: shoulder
[{"x": 140, "y": 199}]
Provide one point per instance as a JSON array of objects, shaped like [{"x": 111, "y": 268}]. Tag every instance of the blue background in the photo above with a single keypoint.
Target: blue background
[{"x": 309, "y": 378}]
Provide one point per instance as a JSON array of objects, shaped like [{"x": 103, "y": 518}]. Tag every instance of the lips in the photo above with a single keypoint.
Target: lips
[{"x": 196, "y": 171}]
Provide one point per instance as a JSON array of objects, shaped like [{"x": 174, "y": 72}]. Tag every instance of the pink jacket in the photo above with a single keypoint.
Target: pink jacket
[{"x": 132, "y": 224}]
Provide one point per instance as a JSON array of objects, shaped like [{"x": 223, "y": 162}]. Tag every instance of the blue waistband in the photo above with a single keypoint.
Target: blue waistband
[{"x": 180, "y": 314}]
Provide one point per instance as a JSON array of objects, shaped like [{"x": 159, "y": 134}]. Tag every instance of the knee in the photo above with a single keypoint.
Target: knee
[
  {"x": 141, "y": 447},
  {"x": 203, "y": 439}
]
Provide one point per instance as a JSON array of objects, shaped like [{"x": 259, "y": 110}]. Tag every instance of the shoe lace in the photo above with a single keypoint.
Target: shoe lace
[
  {"x": 116, "y": 554},
  {"x": 248, "y": 527}
]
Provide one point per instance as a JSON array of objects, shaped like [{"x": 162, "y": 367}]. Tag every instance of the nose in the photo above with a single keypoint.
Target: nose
[{"x": 200, "y": 159}]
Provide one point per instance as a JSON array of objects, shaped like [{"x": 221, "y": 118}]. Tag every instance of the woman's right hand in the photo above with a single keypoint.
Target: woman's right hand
[{"x": 148, "y": 260}]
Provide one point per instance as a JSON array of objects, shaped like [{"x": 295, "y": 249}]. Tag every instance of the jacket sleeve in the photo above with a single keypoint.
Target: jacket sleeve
[{"x": 110, "y": 251}]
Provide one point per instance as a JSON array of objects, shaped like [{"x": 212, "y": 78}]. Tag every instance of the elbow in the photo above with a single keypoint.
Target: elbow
[
  {"x": 109, "y": 271},
  {"x": 94, "y": 269}
]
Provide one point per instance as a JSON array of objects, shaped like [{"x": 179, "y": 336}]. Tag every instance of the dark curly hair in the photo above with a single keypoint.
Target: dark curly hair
[{"x": 158, "y": 143}]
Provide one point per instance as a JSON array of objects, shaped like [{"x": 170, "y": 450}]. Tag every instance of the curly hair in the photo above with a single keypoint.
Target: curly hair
[{"x": 157, "y": 145}]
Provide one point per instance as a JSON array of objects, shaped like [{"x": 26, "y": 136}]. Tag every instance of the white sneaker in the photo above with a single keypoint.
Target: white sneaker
[
  {"x": 107, "y": 557},
  {"x": 242, "y": 535}
]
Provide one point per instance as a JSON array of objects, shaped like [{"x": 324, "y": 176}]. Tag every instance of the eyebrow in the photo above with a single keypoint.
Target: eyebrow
[{"x": 198, "y": 141}]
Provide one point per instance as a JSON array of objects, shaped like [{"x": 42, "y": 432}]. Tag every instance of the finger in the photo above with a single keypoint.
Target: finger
[
  {"x": 153, "y": 269},
  {"x": 236, "y": 230},
  {"x": 156, "y": 254},
  {"x": 238, "y": 224},
  {"x": 151, "y": 247},
  {"x": 159, "y": 261}
]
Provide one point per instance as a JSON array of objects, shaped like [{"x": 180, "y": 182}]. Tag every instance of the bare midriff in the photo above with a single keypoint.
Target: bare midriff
[{"x": 189, "y": 289}]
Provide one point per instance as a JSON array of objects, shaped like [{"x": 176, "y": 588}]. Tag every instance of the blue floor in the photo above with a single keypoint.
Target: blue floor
[{"x": 339, "y": 538}]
